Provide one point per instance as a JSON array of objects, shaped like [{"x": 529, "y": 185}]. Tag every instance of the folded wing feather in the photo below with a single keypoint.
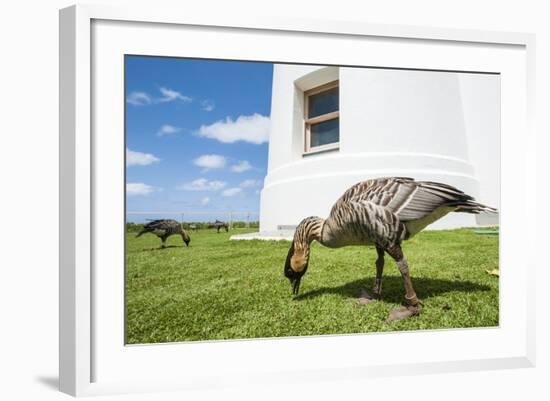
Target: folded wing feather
[{"x": 415, "y": 203}]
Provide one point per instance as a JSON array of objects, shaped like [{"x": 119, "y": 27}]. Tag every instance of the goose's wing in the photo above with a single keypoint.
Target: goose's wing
[
  {"x": 406, "y": 198},
  {"x": 152, "y": 225},
  {"x": 160, "y": 225}
]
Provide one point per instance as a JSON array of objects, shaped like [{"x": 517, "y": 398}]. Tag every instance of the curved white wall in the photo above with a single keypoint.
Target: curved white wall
[{"x": 392, "y": 123}]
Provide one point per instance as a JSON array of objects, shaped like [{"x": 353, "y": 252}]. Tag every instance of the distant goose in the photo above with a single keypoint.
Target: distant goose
[
  {"x": 218, "y": 225},
  {"x": 381, "y": 212},
  {"x": 164, "y": 229}
]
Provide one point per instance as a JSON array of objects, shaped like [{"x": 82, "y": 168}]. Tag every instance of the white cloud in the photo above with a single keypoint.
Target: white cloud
[
  {"x": 210, "y": 161},
  {"x": 205, "y": 201},
  {"x": 167, "y": 129},
  {"x": 253, "y": 129},
  {"x": 202, "y": 184},
  {"x": 231, "y": 191},
  {"x": 241, "y": 166},
  {"x": 140, "y": 159},
  {"x": 138, "y": 188},
  {"x": 249, "y": 183},
  {"x": 208, "y": 105},
  {"x": 139, "y": 99},
  {"x": 169, "y": 95}
]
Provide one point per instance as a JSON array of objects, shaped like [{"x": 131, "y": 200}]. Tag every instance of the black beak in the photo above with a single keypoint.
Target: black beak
[{"x": 296, "y": 286}]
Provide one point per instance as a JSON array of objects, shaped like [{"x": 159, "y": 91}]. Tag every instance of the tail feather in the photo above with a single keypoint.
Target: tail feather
[
  {"x": 471, "y": 206},
  {"x": 455, "y": 197}
]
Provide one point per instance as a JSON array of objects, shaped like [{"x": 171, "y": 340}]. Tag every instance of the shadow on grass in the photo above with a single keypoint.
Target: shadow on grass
[
  {"x": 393, "y": 290},
  {"x": 162, "y": 249}
]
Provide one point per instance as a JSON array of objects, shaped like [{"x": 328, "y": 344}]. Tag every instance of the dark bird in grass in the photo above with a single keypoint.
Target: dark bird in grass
[
  {"x": 219, "y": 225},
  {"x": 382, "y": 213},
  {"x": 164, "y": 229}
]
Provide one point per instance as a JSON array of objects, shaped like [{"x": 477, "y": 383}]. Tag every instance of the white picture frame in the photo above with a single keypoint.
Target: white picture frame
[{"x": 86, "y": 333}]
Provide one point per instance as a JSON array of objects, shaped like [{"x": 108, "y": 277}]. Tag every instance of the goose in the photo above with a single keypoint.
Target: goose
[
  {"x": 380, "y": 212},
  {"x": 218, "y": 225},
  {"x": 164, "y": 229}
]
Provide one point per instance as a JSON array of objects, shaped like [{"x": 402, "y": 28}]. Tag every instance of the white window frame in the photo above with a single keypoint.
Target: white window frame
[{"x": 308, "y": 122}]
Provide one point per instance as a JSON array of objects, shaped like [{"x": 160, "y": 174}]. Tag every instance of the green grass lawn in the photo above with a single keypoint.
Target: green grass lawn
[{"x": 221, "y": 289}]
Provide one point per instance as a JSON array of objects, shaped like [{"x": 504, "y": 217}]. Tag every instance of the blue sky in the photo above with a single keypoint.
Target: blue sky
[{"x": 196, "y": 136}]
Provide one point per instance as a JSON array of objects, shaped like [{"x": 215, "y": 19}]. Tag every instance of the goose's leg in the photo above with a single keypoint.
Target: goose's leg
[
  {"x": 366, "y": 298},
  {"x": 412, "y": 304},
  {"x": 163, "y": 243},
  {"x": 379, "y": 270}
]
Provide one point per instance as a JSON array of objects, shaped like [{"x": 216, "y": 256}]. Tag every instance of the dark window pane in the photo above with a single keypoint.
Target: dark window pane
[
  {"x": 323, "y": 103},
  {"x": 325, "y": 133}
]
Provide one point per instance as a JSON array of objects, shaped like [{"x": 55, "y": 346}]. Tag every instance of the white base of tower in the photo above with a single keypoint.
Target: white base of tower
[{"x": 318, "y": 183}]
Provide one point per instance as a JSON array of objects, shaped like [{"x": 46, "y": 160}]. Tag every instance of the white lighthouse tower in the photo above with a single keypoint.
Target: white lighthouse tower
[{"x": 332, "y": 127}]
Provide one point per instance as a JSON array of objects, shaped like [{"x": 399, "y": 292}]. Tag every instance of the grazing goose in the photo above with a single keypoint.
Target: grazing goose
[
  {"x": 218, "y": 225},
  {"x": 382, "y": 212},
  {"x": 164, "y": 229}
]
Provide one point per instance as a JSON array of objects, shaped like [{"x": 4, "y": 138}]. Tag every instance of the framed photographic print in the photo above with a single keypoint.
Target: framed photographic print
[{"x": 236, "y": 195}]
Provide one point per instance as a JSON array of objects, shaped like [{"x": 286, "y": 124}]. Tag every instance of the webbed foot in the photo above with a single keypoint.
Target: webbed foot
[
  {"x": 366, "y": 298},
  {"x": 403, "y": 312}
]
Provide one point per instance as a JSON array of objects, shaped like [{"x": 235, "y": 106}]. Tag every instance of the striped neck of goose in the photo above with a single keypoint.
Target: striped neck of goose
[{"x": 308, "y": 230}]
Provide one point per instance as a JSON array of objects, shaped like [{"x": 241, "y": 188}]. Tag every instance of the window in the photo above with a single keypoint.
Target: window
[{"x": 322, "y": 118}]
